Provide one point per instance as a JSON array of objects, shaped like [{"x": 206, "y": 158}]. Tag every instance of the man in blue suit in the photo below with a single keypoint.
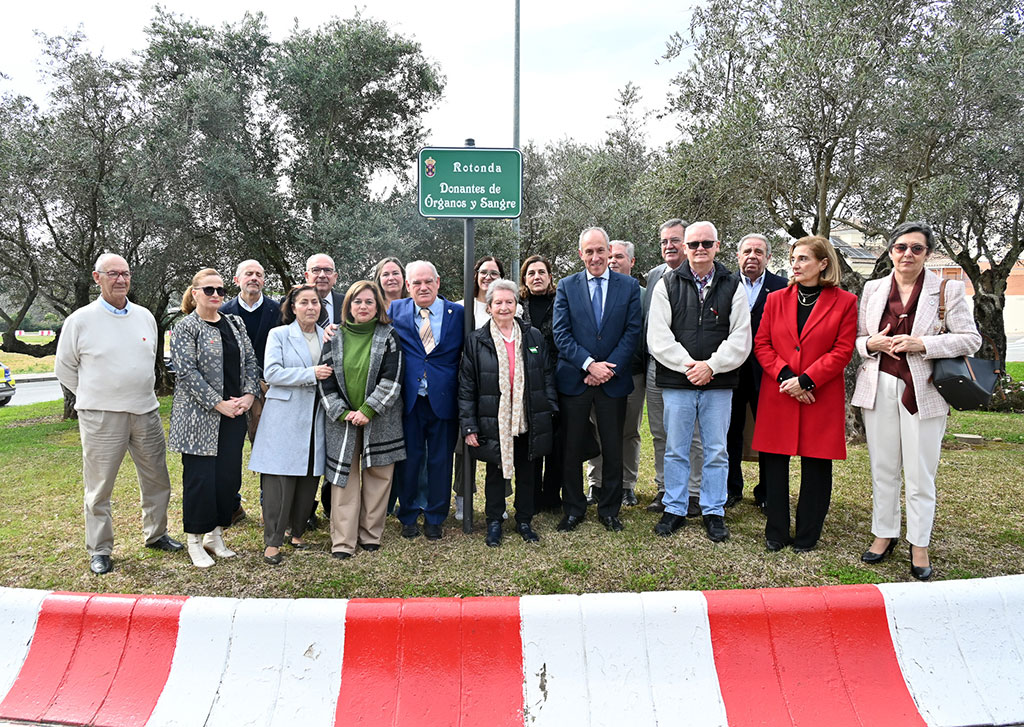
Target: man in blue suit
[
  {"x": 596, "y": 325},
  {"x": 430, "y": 330}
]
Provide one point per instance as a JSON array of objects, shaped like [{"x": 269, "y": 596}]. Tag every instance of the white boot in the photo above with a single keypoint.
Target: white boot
[
  {"x": 214, "y": 542},
  {"x": 200, "y": 558}
]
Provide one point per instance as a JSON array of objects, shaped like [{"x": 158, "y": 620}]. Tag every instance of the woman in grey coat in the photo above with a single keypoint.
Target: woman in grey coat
[
  {"x": 364, "y": 419},
  {"x": 289, "y": 446},
  {"x": 215, "y": 386}
]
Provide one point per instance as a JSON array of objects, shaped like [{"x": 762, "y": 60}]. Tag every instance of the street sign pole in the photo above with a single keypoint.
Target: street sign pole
[{"x": 468, "y": 463}]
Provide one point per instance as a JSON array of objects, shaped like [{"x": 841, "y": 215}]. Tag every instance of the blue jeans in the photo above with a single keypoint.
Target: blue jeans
[{"x": 710, "y": 409}]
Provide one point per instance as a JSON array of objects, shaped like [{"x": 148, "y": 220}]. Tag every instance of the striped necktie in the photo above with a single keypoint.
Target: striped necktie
[{"x": 426, "y": 331}]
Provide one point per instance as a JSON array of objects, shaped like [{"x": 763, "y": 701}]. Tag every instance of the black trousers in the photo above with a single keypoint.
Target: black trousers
[
  {"x": 610, "y": 413},
  {"x": 744, "y": 394},
  {"x": 812, "y": 505},
  {"x": 494, "y": 484},
  {"x": 209, "y": 484},
  {"x": 547, "y": 478}
]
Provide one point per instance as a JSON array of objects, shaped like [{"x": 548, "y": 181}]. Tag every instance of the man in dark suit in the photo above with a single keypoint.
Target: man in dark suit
[
  {"x": 429, "y": 328},
  {"x": 596, "y": 324},
  {"x": 321, "y": 273},
  {"x": 753, "y": 253},
  {"x": 259, "y": 314}
]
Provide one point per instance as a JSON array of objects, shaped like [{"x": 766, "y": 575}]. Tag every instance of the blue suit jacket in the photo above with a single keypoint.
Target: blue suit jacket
[
  {"x": 577, "y": 335},
  {"x": 440, "y": 366}
]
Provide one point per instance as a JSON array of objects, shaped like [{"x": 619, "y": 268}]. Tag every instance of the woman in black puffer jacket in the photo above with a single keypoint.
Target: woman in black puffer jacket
[{"x": 507, "y": 400}]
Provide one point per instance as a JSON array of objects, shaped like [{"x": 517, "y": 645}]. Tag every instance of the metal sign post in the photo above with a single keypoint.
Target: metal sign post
[{"x": 470, "y": 182}]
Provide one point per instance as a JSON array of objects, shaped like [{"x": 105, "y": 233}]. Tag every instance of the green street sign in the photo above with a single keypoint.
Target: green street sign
[{"x": 470, "y": 181}]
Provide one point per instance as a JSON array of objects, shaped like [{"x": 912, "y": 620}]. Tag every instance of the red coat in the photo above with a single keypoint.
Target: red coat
[{"x": 822, "y": 351}]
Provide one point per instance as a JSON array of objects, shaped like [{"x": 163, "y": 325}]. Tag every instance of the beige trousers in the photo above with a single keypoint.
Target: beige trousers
[
  {"x": 358, "y": 509},
  {"x": 106, "y": 436},
  {"x": 899, "y": 440}
]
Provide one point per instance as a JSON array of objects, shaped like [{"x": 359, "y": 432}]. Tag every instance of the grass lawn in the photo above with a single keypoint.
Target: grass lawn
[
  {"x": 21, "y": 363},
  {"x": 979, "y": 532}
]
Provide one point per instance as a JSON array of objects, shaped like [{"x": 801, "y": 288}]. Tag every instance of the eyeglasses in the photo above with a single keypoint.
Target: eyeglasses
[
  {"x": 706, "y": 244},
  {"x": 325, "y": 271},
  {"x": 902, "y": 247},
  {"x": 115, "y": 274},
  {"x": 489, "y": 274},
  {"x": 209, "y": 290}
]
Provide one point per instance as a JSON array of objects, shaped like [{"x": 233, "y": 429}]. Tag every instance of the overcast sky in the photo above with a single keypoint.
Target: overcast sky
[{"x": 575, "y": 55}]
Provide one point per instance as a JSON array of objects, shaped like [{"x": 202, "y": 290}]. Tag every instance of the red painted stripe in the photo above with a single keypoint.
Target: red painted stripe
[
  {"x": 432, "y": 661},
  {"x": 800, "y": 656},
  {"x": 96, "y": 660}
]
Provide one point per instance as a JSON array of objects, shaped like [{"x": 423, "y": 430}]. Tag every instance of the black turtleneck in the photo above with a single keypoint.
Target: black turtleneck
[{"x": 803, "y": 312}]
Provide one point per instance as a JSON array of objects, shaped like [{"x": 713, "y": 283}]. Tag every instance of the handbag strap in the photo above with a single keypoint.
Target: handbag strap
[{"x": 942, "y": 304}]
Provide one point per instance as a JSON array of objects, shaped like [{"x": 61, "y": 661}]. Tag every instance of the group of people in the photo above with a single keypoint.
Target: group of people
[{"x": 373, "y": 389}]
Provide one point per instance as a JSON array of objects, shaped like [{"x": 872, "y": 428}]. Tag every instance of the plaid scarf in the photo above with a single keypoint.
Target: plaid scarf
[{"x": 511, "y": 413}]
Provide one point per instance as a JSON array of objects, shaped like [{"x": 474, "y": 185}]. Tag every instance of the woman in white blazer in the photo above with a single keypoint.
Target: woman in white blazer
[
  {"x": 898, "y": 334},
  {"x": 289, "y": 446}
]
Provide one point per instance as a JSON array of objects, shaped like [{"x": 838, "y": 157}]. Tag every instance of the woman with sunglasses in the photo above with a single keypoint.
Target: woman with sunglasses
[
  {"x": 289, "y": 446},
  {"x": 898, "y": 334},
  {"x": 803, "y": 344},
  {"x": 216, "y": 383}
]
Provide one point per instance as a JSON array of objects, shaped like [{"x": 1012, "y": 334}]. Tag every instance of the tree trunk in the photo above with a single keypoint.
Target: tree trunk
[
  {"x": 988, "y": 314},
  {"x": 11, "y": 344},
  {"x": 69, "y": 404}
]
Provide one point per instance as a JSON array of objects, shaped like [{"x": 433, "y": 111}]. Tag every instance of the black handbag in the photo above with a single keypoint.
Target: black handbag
[{"x": 965, "y": 382}]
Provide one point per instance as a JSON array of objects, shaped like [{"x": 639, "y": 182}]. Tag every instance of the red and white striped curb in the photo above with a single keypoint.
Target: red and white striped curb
[{"x": 948, "y": 653}]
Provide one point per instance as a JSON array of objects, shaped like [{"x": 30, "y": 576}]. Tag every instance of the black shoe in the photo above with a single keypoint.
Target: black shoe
[
  {"x": 238, "y": 515},
  {"x": 804, "y": 548},
  {"x": 693, "y": 507},
  {"x": 869, "y": 556},
  {"x": 733, "y": 500},
  {"x": 920, "y": 573},
  {"x": 341, "y": 555},
  {"x": 591, "y": 497},
  {"x": 569, "y": 523},
  {"x": 298, "y": 546},
  {"x": 273, "y": 559},
  {"x": 165, "y": 543},
  {"x": 714, "y": 526},
  {"x": 493, "y": 539},
  {"x": 370, "y": 547},
  {"x": 313, "y": 523},
  {"x": 611, "y": 523},
  {"x": 668, "y": 524},
  {"x": 773, "y": 546},
  {"x": 100, "y": 564},
  {"x": 410, "y": 531},
  {"x": 629, "y": 498},
  {"x": 657, "y": 504},
  {"x": 433, "y": 532},
  {"x": 526, "y": 531}
]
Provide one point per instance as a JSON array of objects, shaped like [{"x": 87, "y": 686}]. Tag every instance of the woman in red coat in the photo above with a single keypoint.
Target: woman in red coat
[{"x": 806, "y": 338}]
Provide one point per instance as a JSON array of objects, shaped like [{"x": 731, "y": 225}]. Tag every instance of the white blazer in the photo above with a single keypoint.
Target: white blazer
[{"x": 961, "y": 340}]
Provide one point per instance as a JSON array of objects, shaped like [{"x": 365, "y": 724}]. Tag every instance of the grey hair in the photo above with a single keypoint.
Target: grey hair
[
  {"x": 501, "y": 284},
  {"x": 630, "y": 247},
  {"x": 919, "y": 226},
  {"x": 103, "y": 259},
  {"x": 422, "y": 262},
  {"x": 756, "y": 236},
  {"x": 705, "y": 222},
  {"x": 309, "y": 260},
  {"x": 674, "y": 222},
  {"x": 592, "y": 229},
  {"x": 238, "y": 270}
]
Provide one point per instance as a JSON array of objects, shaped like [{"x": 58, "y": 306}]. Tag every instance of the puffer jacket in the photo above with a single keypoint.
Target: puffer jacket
[{"x": 480, "y": 395}]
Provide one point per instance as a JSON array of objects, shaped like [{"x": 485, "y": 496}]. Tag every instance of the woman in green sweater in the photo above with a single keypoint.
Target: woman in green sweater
[{"x": 364, "y": 419}]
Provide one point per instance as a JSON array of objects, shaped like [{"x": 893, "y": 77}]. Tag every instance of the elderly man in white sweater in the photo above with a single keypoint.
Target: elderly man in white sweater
[{"x": 105, "y": 356}]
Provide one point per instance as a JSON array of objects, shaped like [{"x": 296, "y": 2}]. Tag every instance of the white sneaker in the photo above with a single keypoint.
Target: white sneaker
[
  {"x": 459, "y": 499},
  {"x": 214, "y": 542},
  {"x": 200, "y": 558}
]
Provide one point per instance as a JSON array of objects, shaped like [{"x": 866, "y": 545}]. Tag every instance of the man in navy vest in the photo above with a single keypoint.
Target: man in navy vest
[
  {"x": 698, "y": 332},
  {"x": 596, "y": 324}
]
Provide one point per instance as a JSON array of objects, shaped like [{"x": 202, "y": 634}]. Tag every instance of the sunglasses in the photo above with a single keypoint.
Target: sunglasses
[
  {"x": 209, "y": 290},
  {"x": 902, "y": 247},
  {"x": 706, "y": 244}
]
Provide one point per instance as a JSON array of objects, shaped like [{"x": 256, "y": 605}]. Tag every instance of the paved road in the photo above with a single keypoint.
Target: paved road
[
  {"x": 31, "y": 392},
  {"x": 1014, "y": 349}
]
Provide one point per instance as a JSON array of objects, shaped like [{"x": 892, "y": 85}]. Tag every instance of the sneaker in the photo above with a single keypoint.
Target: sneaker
[
  {"x": 714, "y": 526},
  {"x": 668, "y": 524},
  {"x": 657, "y": 504}
]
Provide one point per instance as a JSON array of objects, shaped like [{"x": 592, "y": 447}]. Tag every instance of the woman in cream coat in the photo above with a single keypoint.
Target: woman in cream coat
[
  {"x": 289, "y": 446},
  {"x": 898, "y": 334}
]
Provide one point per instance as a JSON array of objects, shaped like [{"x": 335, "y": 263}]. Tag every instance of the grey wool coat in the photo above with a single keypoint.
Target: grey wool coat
[
  {"x": 199, "y": 382},
  {"x": 282, "y": 439},
  {"x": 383, "y": 437}
]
